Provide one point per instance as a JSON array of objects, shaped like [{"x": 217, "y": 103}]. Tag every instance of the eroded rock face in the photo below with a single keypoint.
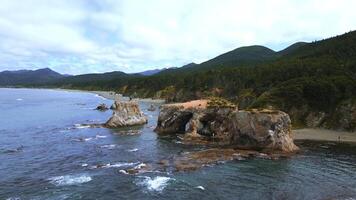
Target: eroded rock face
[
  {"x": 126, "y": 113},
  {"x": 254, "y": 129}
]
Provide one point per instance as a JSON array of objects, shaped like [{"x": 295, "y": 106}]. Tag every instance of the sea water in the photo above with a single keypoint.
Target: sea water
[{"x": 47, "y": 151}]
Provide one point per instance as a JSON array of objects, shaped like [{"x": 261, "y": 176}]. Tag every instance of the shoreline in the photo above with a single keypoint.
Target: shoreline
[
  {"x": 111, "y": 95},
  {"x": 114, "y": 96},
  {"x": 326, "y": 135},
  {"x": 311, "y": 134}
]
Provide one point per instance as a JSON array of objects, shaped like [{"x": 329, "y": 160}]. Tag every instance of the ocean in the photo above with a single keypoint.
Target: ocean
[{"x": 47, "y": 151}]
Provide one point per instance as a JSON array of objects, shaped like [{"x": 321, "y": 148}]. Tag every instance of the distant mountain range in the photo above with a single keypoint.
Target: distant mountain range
[
  {"x": 152, "y": 72},
  {"x": 23, "y": 77},
  {"x": 242, "y": 56}
]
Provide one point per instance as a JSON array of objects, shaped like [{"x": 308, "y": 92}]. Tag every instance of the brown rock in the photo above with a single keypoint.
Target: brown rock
[
  {"x": 126, "y": 113},
  {"x": 247, "y": 129}
]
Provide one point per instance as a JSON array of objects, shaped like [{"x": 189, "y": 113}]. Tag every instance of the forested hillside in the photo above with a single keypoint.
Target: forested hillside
[{"x": 314, "y": 82}]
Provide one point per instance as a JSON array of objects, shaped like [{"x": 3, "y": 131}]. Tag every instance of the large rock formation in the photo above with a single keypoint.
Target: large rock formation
[
  {"x": 225, "y": 125},
  {"x": 126, "y": 113}
]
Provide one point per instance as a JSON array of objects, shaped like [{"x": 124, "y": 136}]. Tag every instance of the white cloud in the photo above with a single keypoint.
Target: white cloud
[{"x": 133, "y": 35}]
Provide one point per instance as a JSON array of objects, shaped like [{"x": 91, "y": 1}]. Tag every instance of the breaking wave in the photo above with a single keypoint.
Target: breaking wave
[
  {"x": 69, "y": 180},
  {"x": 157, "y": 183}
]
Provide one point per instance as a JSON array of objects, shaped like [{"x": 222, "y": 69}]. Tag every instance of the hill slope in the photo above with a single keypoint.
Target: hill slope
[{"x": 22, "y": 77}]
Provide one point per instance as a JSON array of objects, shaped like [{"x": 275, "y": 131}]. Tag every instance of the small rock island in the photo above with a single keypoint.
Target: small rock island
[
  {"x": 221, "y": 122},
  {"x": 126, "y": 113}
]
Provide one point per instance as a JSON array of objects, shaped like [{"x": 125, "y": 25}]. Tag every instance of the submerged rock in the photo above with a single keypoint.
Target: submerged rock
[
  {"x": 151, "y": 108},
  {"x": 102, "y": 107},
  {"x": 126, "y": 113},
  {"x": 225, "y": 125}
]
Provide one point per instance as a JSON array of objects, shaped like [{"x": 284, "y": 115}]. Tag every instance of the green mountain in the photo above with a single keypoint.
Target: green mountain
[
  {"x": 94, "y": 81},
  {"x": 22, "y": 77},
  {"x": 239, "y": 57}
]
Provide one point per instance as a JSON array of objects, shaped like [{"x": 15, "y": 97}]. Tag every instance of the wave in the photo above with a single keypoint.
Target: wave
[
  {"x": 200, "y": 187},
  {"x": 82, "y": 139},
  {"x": 100, "y": 136},
  {"x": 114, "y": 165},
  {"x": 109, "y": 146},
  {"x": 123, "y": 171},
  {"x": 69, "y": 180},
  {"x": 80, "y": 126},
  {"x": 132, "y": 150},
  {"x": 99, "y": 96},
  {"x": 19, "y": 99},
  {"x": 157, "y": 183},
  {"x": 14, "y": 198}
]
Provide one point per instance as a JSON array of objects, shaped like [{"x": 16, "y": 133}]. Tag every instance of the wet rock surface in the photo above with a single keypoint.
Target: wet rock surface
[
  {"x": 151, "y": 108},
  {"x": 102, "y": 107}
]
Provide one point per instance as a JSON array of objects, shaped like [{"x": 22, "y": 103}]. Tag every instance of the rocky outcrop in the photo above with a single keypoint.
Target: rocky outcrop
[
  {"x": 344, "y": 117},
  {"x": 225, "y": 125},
  {"x": 102, "y": 107},
  {"x": 126, "y": 113}
]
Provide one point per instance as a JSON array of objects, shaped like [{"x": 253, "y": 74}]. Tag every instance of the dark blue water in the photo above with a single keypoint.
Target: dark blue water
[{"x": 46, "y": 154}]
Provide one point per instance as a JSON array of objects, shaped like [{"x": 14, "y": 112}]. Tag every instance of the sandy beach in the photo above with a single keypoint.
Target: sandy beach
[
  {"x": 324, "y": 135},
  {"x": 114, "y": 96}
]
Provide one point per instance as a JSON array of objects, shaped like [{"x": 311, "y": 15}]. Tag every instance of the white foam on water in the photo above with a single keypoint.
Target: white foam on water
[
  {"x": 14, "y": 198},
  {"x": 109, "y": 146},
  {"x": 139, "y": 166},
  {"x": 69, "y": 180},
  {"x": 122, "y": 164},
  {"x": 87, "y": 139},
  {"x": 100, "y": 97},
  {"x": 123, "y": 171},
  {"x": 156, "y": 184},
  {"x": 84, "y": 165},
  {"x": 19, "y": 99},
  {"x": 200, "y": 187},
  {"x": 80, "y": 126},
  {"x": 132, "y": 150},
  {"x": 114, "y": 165},
  {"x": 100, "y": 136}
]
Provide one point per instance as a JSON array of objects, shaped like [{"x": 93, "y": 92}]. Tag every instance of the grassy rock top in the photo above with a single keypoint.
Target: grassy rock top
[{"x": 217, "y": 102}]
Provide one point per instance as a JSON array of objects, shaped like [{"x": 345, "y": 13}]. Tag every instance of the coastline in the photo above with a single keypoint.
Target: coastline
[
  {"x": 114, "y": 96},
  {"x": 315, "y": 134},
  {"x": 312, "y": 134},
  {"x": 111, "y": 95}
]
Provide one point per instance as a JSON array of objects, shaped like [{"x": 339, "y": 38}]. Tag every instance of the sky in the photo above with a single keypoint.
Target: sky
[{"x": 93, "y": 36}]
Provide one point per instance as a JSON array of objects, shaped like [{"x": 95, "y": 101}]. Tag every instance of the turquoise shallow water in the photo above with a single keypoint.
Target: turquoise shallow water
[{"x": 46, "y": 154}]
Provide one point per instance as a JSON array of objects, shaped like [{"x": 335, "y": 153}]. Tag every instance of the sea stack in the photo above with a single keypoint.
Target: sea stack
[
  {"x": 126, "y": 113},
  {"x": 222, "y": 123}
]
